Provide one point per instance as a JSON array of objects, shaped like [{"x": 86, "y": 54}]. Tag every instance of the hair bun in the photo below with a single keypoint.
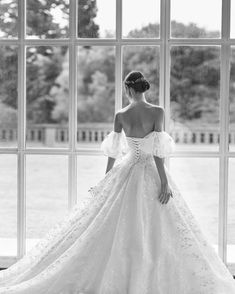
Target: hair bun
[
  {"x": 142, "y": 83},
  {"x": 146, "y": 85},
  {"x": 137, "y": 81}
]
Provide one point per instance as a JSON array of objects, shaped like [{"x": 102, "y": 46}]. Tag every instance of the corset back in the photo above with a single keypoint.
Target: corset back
[{"x": 140, "y": 148}]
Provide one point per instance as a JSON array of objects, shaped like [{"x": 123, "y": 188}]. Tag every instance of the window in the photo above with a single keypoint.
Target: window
[{"x": 61, "y": 69}]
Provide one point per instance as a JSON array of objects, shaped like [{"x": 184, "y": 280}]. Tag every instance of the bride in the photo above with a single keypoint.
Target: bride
[{"x": 134, "y": 234}]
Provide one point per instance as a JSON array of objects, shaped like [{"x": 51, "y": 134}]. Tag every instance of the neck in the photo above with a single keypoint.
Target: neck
[{"x": 138, "y": 99}]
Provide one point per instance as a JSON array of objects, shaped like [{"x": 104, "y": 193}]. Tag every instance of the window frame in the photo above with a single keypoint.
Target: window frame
[{"x": 165, "y": 42}]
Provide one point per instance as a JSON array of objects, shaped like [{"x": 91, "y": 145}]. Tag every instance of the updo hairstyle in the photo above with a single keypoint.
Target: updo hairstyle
[{"x": 137, "y": 81}]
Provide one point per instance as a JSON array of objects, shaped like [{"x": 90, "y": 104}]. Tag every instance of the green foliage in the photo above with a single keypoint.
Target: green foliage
[
  {"x": 195, "y": 76},
  {"x": 8, "y": 116},
  {"x": 180, "y": 30},
  {"x": 87, "y": 11},
  {"x": 44, "y": 63},
  {"x": 96, "y": 94},
  {"x": 8, "y": 18},
  {"x": 149, "y": 31},
  {"x": 8, "y": 76},
  {"x": 40, "y": 18},
  {"x": 195, "y": 70},
  {"x": 42, "y": 70}
]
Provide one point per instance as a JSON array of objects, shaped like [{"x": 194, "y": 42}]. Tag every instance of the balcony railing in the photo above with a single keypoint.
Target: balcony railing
[{"x": 52, "y": 134}]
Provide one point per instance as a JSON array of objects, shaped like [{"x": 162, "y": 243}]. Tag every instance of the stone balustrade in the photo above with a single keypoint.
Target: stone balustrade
[{"x": 50, "y": 134}]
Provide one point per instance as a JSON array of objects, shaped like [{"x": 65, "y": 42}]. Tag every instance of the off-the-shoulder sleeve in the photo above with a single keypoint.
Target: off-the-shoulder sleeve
[
  {"x": 163, "y": 144},
  {"x": 114, "y": 144}
]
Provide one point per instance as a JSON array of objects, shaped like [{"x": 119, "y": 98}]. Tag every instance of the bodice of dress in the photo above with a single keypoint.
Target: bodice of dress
[
  {"x": 160, "y": 144},
  {"x": 140, "y": 148}
]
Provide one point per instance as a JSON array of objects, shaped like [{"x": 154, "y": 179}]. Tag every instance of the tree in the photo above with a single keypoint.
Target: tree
[
  {"x": 195, "y": 70},
  {"x": 87, "y": 11},
  {"x": 195, "y": 78},
  {"x": 180, "y": 30},
  {"x": 44, "y": 63},
  {"x": 96, "y": 79},
  {"x": 8, "y": 76}
]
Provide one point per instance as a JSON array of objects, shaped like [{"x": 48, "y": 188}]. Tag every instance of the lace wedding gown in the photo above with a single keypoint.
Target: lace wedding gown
[{"x": 122, "y": 240}]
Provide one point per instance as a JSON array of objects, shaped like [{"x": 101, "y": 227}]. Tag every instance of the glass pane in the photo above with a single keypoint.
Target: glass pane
[
  {"x": 145, "y": 59},
  {"x": 47, "y": 96},
  {"x": 139, "y": 23},
  {"x": 232, "y": 15},
  {"x": 141, "y": 20},
  {"x": 8, "y": 19},
  {"x": 231, "y": 213},
  {"x": 199, "y": 187},
  {"x": 96, "y": 93},
  {"x": 90, "y": 170},
  {"x": 8, "y": 205},
  {"x": 46, "y": 194},
  {"x": 232, "y": 101},
  {"x": 96, "y": 19},
  {"x": 47, "y": 19},
  {"x": 194, "y": 97},
  {"x": 196, "y": 18},
  {"x": 8, "y": 96}
]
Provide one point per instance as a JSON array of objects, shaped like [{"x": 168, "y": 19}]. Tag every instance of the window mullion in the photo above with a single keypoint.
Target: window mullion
[
  {"x": 165, "y": 29},
  {"x": 224, "y": 130},
  {"x": 118, "y": 59},
  {"x": 21, "y": 196},
  {"x": 72, "y": 172}
]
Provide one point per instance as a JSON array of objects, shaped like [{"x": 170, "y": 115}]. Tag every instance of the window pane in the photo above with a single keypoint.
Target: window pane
[
  {"x": 8, "y": 96},
  {"x": 8, "y": 18},
  {"x": 145, "y": 59},
  {"x": 96, "y": 19},
  {"x": 194, "y": 94},
  {"x": 196, "y": 18},
  {"x": 231, "y": 213},
  {"x": 47, "y": 19},
  {"x": 96, "y": 93},
  {"x": 46, "y": 194},
  {"x": 141, "y": 20},
  {"x": 199, "y": 187},
  {"x": 8, "y": 205},
  {"x": 90, "y": 170},
  {"x": 47, "y": 96},
  {"x": 232, "y": 101},
  {"x": 232, "y": 15}
]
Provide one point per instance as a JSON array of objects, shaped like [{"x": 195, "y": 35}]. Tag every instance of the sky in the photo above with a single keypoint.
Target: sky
[{"x": 205, "y": 13}]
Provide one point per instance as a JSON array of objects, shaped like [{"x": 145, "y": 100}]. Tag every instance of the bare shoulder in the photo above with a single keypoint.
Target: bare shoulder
[
  {"x": 123, "y": 110},
  {"x": 118, "y": 114},
  {"x": 159, "y": 110}
]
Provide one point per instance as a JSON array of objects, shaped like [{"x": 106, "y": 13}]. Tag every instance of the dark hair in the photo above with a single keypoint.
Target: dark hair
[{"x": 137, "y": 81}]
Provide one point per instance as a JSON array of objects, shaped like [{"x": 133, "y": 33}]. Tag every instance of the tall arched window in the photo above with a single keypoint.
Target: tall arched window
[{"x": 62, "y": 64}]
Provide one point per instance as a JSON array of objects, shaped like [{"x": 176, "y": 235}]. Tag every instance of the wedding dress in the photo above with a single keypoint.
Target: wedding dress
[{"x": 122, "y": 240}]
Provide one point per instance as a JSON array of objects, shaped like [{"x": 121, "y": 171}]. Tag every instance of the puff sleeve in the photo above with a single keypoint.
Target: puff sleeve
[
  {"x": 163, "y": 144},
  {"x": 114, "y": 145}
]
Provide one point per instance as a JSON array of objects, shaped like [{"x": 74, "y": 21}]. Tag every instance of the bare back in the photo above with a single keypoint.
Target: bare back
[{"x": 141, "y": 119}]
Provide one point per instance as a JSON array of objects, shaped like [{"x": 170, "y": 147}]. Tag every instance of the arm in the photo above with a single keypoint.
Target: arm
[
  {"x": 161, "y": 169},
  {"x": 165, "y": 191},
  {"x": 118, "y": 129}
]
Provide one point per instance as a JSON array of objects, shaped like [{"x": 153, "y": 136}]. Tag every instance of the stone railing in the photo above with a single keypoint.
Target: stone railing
[{"x": 52, "y": 134}]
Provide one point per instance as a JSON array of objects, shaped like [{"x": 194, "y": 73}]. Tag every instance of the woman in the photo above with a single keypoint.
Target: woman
[{"x": 135, "y": 234}]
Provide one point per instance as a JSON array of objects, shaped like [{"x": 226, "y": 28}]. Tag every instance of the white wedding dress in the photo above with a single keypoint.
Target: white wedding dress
[{"x": 122, "y": 240}]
